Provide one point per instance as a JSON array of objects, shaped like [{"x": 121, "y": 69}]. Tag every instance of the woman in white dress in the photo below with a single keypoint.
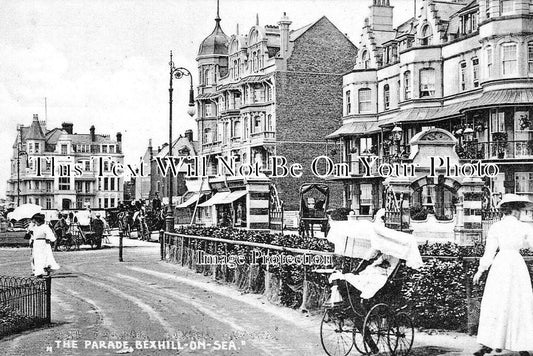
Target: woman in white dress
[
  {"x": 506, "y": 318},
  {"x": 41, "y": 241}
]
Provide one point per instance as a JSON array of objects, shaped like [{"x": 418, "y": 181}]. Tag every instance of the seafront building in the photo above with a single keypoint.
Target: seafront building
[
  {"x": 462, "y": 66},
  {"x": 268, "y": 91},
  {"x": 79, "y": 176}
]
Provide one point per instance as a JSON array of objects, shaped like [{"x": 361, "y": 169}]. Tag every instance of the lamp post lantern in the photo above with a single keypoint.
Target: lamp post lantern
[{"x": 177, "y": 73}]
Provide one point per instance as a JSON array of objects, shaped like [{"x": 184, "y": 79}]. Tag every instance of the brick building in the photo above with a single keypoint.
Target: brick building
[
  {"x": 272, "y": 91},
  {"x": 66, "y": 188}
]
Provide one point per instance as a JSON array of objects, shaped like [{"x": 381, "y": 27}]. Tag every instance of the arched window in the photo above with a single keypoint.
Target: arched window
[
  {"x": 258, "y": 125},
  {"x": 235, "y": 69},
  {"x": 365, "y": 59},
  {"x": 245, "y": 130},
  {"x": 237, "y": 129},
  {"x": 386, "y": 97},
  {"x": 407, "y": 85},
  {"x": 365, "y": 100},
  {"x": 509, "y": 60},
  {"x": 462, "y": 75},
  {"x": 427, "y": 82},
  {"x": 425, "y": 35},
  {"x": 489, "y": 61},
  {"x": 206, "y": 76}
]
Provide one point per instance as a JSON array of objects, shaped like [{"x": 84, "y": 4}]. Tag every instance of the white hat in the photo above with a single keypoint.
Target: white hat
[{"x": 515, "y": 198}]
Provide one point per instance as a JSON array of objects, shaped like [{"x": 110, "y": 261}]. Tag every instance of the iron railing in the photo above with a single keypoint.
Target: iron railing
[
  {"x": 24, "y": 303},
  {"x": 496, "y": 150}
]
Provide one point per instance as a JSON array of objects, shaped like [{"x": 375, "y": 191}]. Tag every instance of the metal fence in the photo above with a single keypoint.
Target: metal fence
[{"x": 24, "y": 303}]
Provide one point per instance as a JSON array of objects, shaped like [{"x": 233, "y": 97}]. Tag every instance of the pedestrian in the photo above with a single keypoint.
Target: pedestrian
[
  {"x": 98, "y": 228},
  {"x": 506, "y": 317},
  {"x": 40, "y": 241}
]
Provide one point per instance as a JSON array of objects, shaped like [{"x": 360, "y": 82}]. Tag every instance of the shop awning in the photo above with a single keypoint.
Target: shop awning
[
  {"x": 215, "y": 199},
  {"x": 451, "y": 110},
  {"x": 504, "y": 97},
  {"x": 355, "y": 129},
  {"x": 206, "y": 96},
  {"x": 233, "y": 196},
  {"x": 192, "y": 200},
  {"x": 411, "y": 115}
]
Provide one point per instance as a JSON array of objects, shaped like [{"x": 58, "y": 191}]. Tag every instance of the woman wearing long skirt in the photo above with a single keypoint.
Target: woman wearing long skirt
[
  {"x": 41, "y": 241},
  {"x": 506, "y": 318}
]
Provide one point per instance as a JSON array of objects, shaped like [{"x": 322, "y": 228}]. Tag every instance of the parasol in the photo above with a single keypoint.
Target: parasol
[{"x": 25, "y": 211}]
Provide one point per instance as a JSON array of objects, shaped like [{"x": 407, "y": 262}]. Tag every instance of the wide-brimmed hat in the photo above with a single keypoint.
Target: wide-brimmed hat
[
  {"x": 515, "y": 198},
  {"x": 38, "y": 217}
]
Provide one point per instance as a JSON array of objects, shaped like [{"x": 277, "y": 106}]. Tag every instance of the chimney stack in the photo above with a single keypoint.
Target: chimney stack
[
  {"x": 35, "y": 117},
  {"x": 67, "y": 126},
  {"x": 188, "y": 135},
  {"x": 284, "y": 24},
  {"x": 93, "y": 135},
  {"x": 119, "y": 137}
]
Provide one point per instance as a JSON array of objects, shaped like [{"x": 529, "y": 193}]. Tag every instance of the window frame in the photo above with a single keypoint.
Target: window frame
[
  {"x": 514, "y": 61},
  {"x": 367, "y": 101}
]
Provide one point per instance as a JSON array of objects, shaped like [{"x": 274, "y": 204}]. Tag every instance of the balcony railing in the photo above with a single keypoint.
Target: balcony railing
[
  {"x": 496, "y": 150},
  {"x": 263, "y": 136}
]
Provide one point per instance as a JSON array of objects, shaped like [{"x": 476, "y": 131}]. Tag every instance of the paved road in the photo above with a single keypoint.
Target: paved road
[{"x": 163, "y": 309}]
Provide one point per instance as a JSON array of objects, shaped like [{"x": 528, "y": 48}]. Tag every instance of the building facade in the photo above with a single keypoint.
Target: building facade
[
  {"x": 271, "y": 91},
  {"x": 59, "y": 169},
  {"x": 462, "y": 66}
]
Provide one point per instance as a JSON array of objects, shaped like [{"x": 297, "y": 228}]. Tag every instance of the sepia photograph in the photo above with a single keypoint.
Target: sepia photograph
[{"x": 283, "y": 177}]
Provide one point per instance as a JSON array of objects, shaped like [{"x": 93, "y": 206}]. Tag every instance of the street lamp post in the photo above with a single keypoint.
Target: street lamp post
[
  {"x": 20, "y": 152},
  {"x": 177, "y": 73}
]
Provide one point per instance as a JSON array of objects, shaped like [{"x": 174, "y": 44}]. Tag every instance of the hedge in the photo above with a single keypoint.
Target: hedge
[{"x": 436, "y": 293}]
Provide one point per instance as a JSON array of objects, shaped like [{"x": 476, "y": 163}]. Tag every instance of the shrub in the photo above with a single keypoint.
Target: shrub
[{"x": 340, "y": 214}]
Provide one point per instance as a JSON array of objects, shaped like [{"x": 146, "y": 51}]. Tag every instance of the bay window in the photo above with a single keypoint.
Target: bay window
[
  {"x": 427, "y": 82},
  {"x": 365, "y": 102},
  {"x": 509, "y": 60}
]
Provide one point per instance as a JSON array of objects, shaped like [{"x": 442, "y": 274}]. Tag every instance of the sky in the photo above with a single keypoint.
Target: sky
[{"x": 105, "y": 62}]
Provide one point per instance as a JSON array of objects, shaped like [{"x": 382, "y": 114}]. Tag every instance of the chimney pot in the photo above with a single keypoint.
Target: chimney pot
[
  {"x": 67, "y": 126},
  {"x": 93, "y": 136}
]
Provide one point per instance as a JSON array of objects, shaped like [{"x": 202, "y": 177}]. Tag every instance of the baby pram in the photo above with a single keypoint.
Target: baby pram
[{"x": 361, "y": 311}]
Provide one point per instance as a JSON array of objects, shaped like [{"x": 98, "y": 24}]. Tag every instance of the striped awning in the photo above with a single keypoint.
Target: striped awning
[
  {"x": 504, "y": 97},
  {"x": 356, "y": 129},
  {"x": 411, "y": 115},
  {"x": 451, "y": 110},
  {"x": 192, "y": 200},
  {"x": 206, "y": 96},
  {"x": 215, "y": 199}
]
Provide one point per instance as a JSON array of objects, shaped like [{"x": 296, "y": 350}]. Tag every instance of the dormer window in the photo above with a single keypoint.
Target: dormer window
[
  {"x": 365, "y": 59},
  {"x": 425, "y": 35}
]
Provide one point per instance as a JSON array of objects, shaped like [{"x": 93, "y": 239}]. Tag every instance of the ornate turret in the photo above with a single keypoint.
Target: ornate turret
[{"x": 217, "y": 42}]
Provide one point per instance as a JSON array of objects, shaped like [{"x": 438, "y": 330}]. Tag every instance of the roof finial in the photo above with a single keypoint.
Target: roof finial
[
  {"x": 237, "y": 29},
  {"x": 217, "y": 19},
  {"x": 257, "y": 19}
]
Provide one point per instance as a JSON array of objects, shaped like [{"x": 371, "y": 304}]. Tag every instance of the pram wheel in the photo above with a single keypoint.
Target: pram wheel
[
  {"x": 337, "y": 332},
  {"x": 401, "y": 334},
  {"x": 376, "y": 329}
]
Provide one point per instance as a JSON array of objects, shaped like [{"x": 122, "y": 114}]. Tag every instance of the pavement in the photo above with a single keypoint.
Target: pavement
[{"x": 99, "y": 303}]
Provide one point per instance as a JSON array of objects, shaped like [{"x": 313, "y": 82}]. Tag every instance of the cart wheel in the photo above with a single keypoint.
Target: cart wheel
[
  {"x": 336, "y": 333},
  {"x": 401, "y": 334},
  {"x": 376, "y": 328}
]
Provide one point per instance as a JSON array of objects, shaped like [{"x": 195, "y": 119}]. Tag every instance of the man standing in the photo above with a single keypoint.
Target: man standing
[{"x": 98, "y": 229}]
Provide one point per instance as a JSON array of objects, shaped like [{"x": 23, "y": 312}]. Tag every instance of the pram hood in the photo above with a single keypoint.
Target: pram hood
[{"x": 358, "y": 239}]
